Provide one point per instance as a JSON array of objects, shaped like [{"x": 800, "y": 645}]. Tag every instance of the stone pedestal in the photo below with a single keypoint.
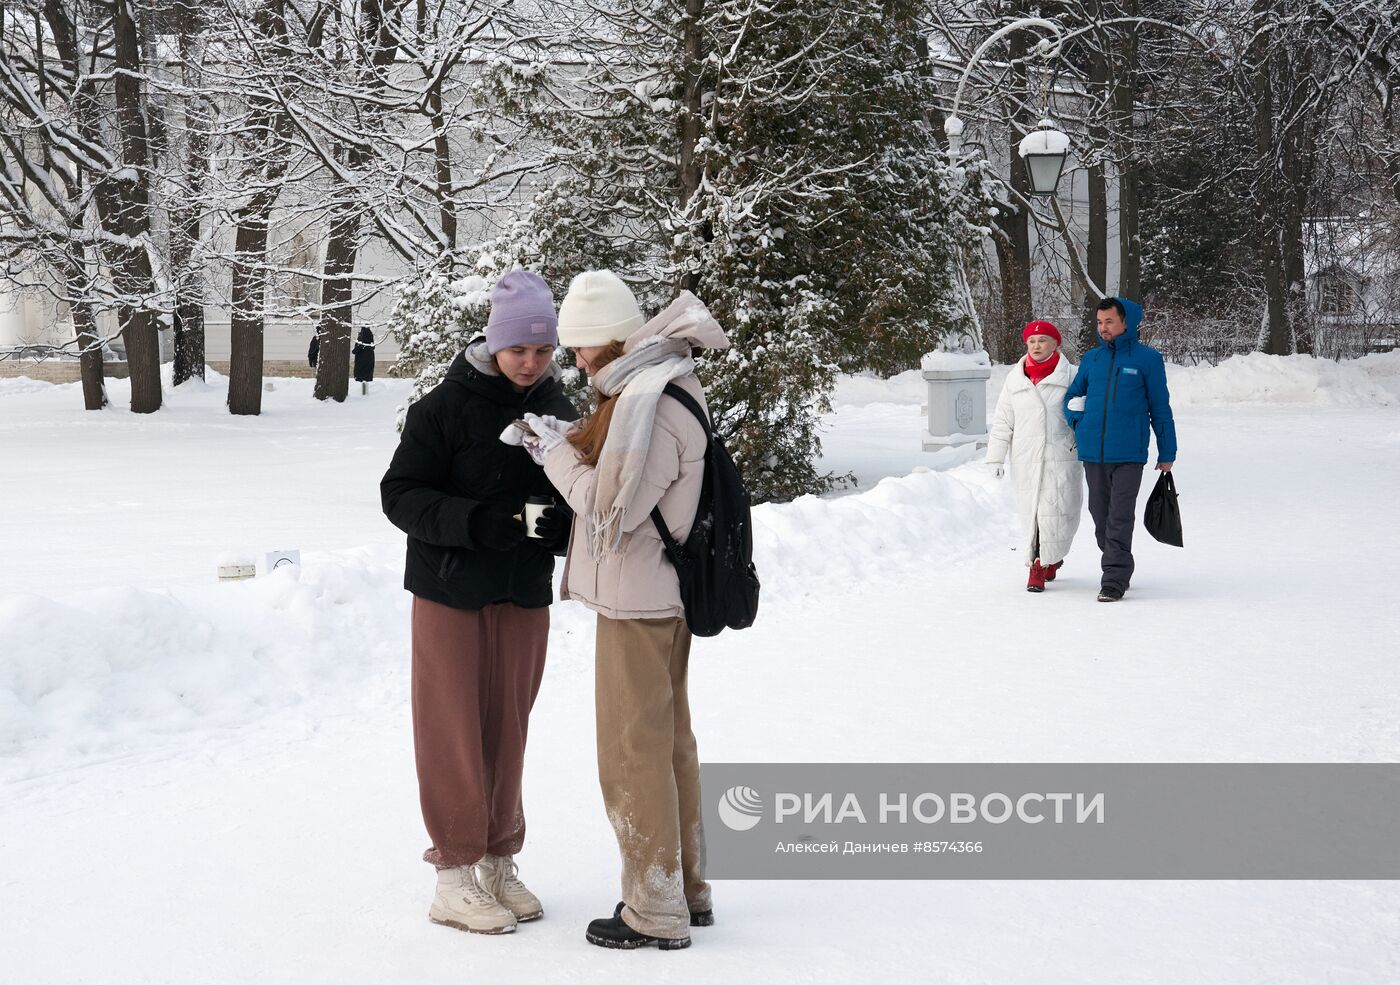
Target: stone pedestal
[{"x": 957, "y": 407}]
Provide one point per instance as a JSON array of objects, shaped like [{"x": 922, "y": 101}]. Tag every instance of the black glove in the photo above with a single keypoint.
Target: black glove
[
  {"x": 553, "y": 526},
  {"x": 495, "y": 528}
]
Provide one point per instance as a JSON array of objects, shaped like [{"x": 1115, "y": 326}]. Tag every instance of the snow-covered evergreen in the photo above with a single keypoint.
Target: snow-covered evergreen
[
  {"x": 776, "y": 158},
  {"x": 827, "y": 224},
  {"x": 432, "y": 321}
]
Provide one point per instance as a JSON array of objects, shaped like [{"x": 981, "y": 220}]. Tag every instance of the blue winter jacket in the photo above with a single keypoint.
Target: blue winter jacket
[{"x": 1124, "y": 383}]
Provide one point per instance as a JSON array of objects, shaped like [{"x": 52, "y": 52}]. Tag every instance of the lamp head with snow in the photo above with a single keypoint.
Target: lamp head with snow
[
  {"x": 953, "y": 130},
  {"x": 1044, "y": 150}
]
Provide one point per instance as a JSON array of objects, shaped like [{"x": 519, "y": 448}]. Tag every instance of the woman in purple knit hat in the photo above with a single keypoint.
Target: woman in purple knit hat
[{"x": 482, "y": 584}]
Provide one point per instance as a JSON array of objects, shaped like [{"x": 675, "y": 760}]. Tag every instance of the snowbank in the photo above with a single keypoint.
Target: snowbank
[
  {"x": 101, "y": 672},
  {"x": 13, "y": 386},
  {"x": 1371, "y": 381},
  {"x": 866, "y": 388},
  {"x": 813, "y": 545},
  {"x": 109, "y": 672}
]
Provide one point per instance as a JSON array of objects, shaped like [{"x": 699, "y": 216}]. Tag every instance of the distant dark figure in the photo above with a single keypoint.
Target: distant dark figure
[
  {"x": 314, "y": 352},
  {"x": 364, "y": 356}
]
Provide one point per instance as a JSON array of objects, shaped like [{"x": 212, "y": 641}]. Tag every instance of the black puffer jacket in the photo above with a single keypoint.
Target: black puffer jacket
[{"x": 450, "y": 459}]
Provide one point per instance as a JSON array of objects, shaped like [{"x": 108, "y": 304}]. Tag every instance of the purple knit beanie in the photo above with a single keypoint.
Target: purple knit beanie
[{"x": 522, "y": 313}]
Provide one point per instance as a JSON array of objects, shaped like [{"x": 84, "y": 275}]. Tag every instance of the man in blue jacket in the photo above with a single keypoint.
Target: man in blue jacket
[{"x": 1120, "y": 389}]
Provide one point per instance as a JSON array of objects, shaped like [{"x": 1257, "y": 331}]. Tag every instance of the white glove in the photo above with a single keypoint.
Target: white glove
[
  {"x": 548, "y": 435},
  {"x": 1076, "y": 404},
  {"x": 996, "y": 469},
  {"x": 541, "y": 423},
  {"x": 547, "y": 429},
  {"x": 515, "y": 433}
]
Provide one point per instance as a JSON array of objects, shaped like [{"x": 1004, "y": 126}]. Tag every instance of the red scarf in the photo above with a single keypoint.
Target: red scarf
[{"x": 1036, "y": 372}]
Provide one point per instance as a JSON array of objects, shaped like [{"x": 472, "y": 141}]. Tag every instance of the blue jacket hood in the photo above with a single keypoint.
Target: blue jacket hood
[{"x": 1133, "y": 313}]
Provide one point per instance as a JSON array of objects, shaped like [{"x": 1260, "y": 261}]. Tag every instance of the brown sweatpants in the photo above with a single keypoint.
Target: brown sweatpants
[
  {"x": 650, "y": 771},
  {"x": 475, "y": 677}
]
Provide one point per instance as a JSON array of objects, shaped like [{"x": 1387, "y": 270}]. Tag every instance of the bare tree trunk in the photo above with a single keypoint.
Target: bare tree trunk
[
  {"x": 189, "y": 296},
  {"x": 1294, "y": 268},
  {"x": 1297, "y": 179},
  {"x": 122, "y": 139},
  {"x": 249, "y": 292},
  {"x": 85, "y": 328},
  {"x": 246, "y": 301},
  {"x": 85, "y": 111},
  {"x": 1097, "y": 252},
  {"x": 692, "y": 98},
  {"x": 1097, "y": 248},
  {"x": 186, "y": 220},
  {"x": 442, "y": 155},
  {"x": 90, "y": 361},
  {"x": 1278, "y": 337},
  {"x": 133, "y": 265},
  {"x": 1125, "y": 125},
  {"x": 1393, "y": 168},
  {"x": 333, "y": 363},
  {"x": 1013, "y": 257},
  {"x": 1392, "y": 129},
  {"x": 342, "y": 248},
  {"x": 1013, "y": 242}
]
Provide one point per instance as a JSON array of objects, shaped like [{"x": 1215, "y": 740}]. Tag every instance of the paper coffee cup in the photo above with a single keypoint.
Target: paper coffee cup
[{"x": 534, "y": 506}]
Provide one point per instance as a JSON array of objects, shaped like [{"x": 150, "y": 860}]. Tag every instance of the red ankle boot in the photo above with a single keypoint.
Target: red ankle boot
[
  {"x": 1050, "y": 571},
  {"x": 1036, "y": 581}
]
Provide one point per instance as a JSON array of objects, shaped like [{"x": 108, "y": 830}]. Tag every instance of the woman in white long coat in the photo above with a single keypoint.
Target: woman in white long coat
[{"x": 1029, "y": 429}]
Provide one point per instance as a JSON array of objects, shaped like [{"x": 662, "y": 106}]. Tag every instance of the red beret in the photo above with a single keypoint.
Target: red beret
[{"x": 1041, "y": 328}]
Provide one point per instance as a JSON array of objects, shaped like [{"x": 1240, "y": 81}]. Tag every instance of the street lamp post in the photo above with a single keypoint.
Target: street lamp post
[
  {"x": 956, "y": 382},
  {"x": 1045, "y": 48}
]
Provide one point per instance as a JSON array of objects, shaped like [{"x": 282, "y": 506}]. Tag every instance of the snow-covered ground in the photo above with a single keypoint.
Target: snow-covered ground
[{"x": 213, "y": 782}]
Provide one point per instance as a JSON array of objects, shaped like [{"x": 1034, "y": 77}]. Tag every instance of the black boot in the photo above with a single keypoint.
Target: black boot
[
  {"x": 1110, "y": 593},
  {"x": 704, "y": 918},
  {"x": 614, "y": 932}
]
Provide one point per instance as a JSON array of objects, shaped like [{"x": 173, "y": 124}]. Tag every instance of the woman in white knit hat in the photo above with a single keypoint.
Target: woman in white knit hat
[{"x": 638, "y": 450}]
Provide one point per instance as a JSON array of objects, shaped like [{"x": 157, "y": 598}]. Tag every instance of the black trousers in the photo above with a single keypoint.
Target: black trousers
[{"x": 1113, "y": 491}]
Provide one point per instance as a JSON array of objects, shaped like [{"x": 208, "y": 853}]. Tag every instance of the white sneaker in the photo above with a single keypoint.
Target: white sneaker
[
  {"x": 496, "y": 873},
  {"x": 461, "y": 902}
]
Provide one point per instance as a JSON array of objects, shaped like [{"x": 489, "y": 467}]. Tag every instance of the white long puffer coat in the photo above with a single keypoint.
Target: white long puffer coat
[{"x": 1029, "y": 426}]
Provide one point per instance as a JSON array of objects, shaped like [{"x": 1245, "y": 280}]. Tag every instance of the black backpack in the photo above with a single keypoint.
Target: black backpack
[{"x": 719, "y": 586}]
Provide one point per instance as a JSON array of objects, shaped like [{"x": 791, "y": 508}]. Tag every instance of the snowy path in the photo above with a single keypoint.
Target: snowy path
[{"x": 263, "y": 827}]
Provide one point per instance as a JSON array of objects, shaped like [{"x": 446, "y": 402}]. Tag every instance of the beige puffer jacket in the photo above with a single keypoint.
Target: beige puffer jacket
[{"x": 639, "y": 581}]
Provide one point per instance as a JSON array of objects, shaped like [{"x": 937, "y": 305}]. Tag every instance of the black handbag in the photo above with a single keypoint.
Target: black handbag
[{"x": 1162, "y": 515}]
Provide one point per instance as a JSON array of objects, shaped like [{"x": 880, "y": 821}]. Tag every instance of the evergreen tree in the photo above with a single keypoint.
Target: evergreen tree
[
  {"x": 432, "y": 321},
  {"x": 776, "y": 158},
  {"x": 827, "y": 224}
]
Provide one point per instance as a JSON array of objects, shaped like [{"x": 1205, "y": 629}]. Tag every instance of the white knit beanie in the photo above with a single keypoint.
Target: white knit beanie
[{"x": 598, "y": 309}]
